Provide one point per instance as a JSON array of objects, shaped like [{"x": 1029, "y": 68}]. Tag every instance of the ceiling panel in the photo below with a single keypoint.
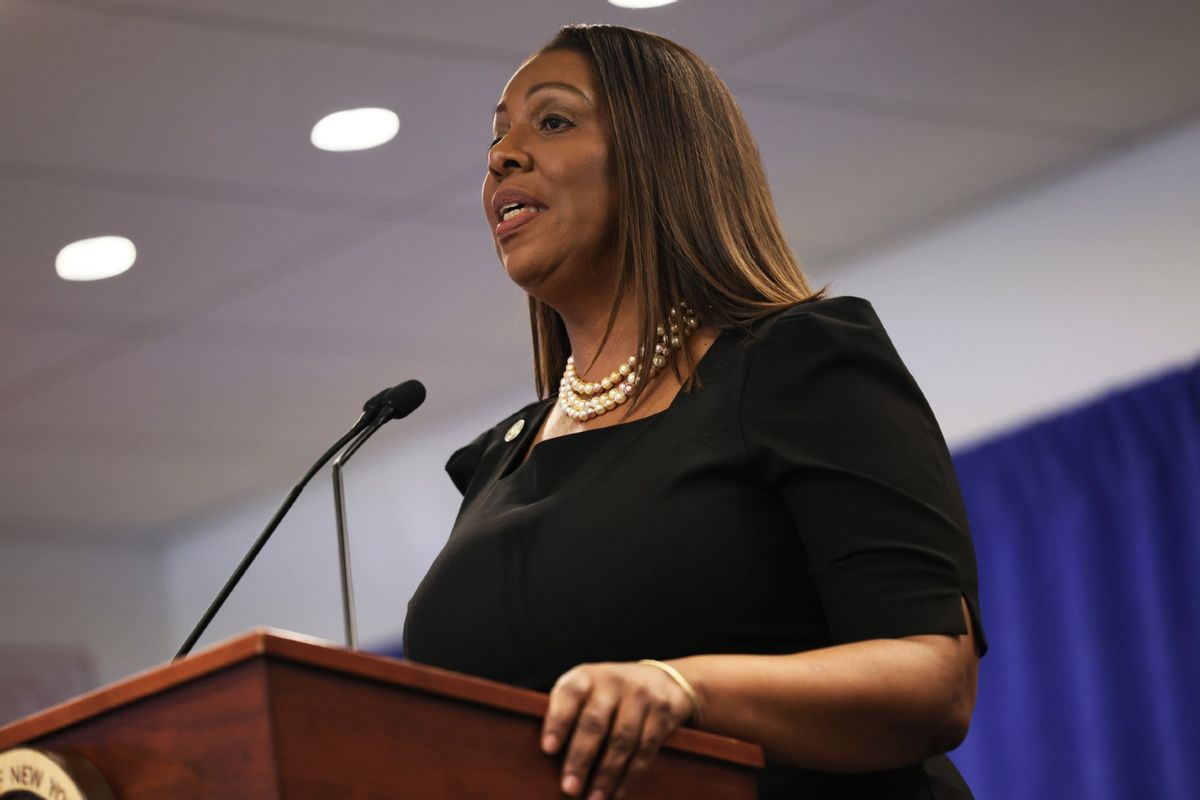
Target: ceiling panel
[
  {"x": 495, "y": 32},
  {"x": 1065, "y": 67},
  {"x": 227, "y": 114},
  {"x": 237, "y": 393},
  {"x": 410, "y": 288},
  {"x": 187, "y": 249},
  {"x": 28, "y": 347}
]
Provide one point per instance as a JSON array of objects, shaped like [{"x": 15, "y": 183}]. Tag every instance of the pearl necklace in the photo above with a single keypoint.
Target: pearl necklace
[{"x": 582, "y": 400}]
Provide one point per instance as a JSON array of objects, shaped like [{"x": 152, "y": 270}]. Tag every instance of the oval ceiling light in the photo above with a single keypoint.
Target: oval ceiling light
[
  {"x": 640, "y": 3},
  {"x": 95, "y": 259},
  {"x": 355, "y": 129}
]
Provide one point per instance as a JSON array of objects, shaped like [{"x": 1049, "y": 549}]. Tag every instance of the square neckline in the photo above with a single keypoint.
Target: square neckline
[{"x": 525, "y": 451}]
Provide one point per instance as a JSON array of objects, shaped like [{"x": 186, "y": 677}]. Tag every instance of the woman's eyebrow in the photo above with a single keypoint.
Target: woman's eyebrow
[{"x": 537, "y": 87}]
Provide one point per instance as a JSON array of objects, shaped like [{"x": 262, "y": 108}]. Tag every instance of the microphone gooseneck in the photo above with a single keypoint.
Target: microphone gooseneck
[{"x": 381, "y": 408}]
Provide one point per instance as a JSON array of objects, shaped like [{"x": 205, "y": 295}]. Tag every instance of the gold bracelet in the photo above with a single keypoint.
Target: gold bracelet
[{"x": 683, "y": 684}]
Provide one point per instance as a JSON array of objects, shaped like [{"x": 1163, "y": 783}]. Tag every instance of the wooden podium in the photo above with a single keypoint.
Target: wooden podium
[{"x": 274, "y": 715}]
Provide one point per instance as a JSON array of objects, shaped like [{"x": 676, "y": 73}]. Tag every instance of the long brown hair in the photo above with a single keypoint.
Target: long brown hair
[{"x": 695, "y": 221}]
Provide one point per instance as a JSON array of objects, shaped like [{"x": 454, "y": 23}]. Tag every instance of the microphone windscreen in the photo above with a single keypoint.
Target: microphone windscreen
[
  {"x": 376, "y": 401},
  {"x": 404, "y": 398}
]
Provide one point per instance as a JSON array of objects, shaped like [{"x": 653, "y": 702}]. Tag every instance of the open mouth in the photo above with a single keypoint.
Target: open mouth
[
  {"x": 516, "y": 215},
  {"x": 510, "y": 210}
]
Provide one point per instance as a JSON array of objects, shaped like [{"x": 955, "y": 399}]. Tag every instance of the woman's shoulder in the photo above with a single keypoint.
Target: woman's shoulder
[
  {"x": 826, "y": 350},
  {"x": 812, "y": 329},
  {"x": 838, "y": 311}
]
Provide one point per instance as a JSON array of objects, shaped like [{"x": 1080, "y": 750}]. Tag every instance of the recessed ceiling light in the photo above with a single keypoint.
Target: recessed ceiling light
[
  {"x": 94, "y": 259},
  {"x": 640, "y": 3},
  {"x": 355, "y": 129}
]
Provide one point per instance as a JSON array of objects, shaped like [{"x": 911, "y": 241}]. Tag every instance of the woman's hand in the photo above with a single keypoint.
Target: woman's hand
[{"x": 628, "y": 709}]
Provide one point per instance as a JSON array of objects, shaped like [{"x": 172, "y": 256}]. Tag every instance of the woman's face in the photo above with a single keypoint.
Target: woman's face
[{"x": 553, "y": 154}]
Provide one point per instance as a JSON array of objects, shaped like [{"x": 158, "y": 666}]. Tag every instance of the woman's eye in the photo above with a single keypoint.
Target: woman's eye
[{"x": 554, "y": 122}]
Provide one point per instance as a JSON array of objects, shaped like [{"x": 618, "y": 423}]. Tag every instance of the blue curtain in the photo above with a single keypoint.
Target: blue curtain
[{"x": 1087, "y": 530}]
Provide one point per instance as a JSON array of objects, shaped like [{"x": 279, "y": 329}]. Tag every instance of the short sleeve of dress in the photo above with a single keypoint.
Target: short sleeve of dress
[
  {"x": 835, "y": 424},
  {"x": 464, "y": 461}
]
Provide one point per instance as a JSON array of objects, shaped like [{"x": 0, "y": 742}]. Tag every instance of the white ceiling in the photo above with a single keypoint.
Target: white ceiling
[{"x": 277, "y": 285}]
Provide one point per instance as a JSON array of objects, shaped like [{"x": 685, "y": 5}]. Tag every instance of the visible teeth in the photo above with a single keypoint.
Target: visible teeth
[{"x": 512, "y": 212}]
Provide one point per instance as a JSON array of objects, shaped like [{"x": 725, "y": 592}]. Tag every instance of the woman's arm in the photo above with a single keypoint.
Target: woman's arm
[{"x": 860, "y": 707}]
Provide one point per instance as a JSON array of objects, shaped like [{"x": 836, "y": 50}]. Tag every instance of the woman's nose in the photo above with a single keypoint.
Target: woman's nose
[{"x": 508, "y": 155}]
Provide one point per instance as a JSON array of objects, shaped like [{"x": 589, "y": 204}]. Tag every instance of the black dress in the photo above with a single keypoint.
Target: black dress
[{"x": 801, "y": 497}]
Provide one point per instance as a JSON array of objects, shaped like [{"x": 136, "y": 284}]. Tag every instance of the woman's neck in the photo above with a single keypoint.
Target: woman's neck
[{"x": 586, "y": 332}]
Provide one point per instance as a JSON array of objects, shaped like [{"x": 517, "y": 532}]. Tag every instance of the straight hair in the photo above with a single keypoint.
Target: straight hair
[{"x": 695, "y": 219}]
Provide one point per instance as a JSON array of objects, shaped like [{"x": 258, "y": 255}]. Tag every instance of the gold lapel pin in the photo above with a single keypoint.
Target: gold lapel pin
[{"x": 514, "y": 430}]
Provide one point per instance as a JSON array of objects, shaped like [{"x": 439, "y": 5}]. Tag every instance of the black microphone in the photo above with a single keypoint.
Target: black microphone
[
  {"x": 393, "y": 403},
  {"x": 400, "y": 401}
]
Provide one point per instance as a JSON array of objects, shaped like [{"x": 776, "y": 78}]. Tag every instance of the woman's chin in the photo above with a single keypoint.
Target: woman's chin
[{"x": 526, "y": 273}]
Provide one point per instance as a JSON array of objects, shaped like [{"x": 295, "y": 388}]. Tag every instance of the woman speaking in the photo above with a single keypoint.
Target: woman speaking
[{"x": 732, "y": 507}]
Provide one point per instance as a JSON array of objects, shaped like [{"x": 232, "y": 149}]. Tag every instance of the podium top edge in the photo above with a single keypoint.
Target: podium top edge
[{"x": 272, "y": 643}]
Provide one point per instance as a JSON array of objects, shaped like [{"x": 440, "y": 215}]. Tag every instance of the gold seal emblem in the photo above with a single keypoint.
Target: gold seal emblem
[
  {"x": 514, "y": 430},
  {"x": 49, "y": 775}
]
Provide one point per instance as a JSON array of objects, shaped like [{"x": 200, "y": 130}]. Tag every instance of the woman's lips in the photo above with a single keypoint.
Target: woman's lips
[{"x": 506, "y": 227}]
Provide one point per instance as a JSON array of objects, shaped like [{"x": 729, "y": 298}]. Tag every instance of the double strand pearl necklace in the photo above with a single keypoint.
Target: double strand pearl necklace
[{"x": 582, "y": 400}]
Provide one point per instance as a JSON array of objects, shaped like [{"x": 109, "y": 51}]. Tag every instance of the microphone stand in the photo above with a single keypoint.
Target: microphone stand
[{"x": 339, "y": 502}]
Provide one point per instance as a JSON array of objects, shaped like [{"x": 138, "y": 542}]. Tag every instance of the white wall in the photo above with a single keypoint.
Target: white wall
[
  {"x": 1010, "y": 311},
  {"x": 108, "y": 599},
  {"x": 1049, "y": 297}
]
